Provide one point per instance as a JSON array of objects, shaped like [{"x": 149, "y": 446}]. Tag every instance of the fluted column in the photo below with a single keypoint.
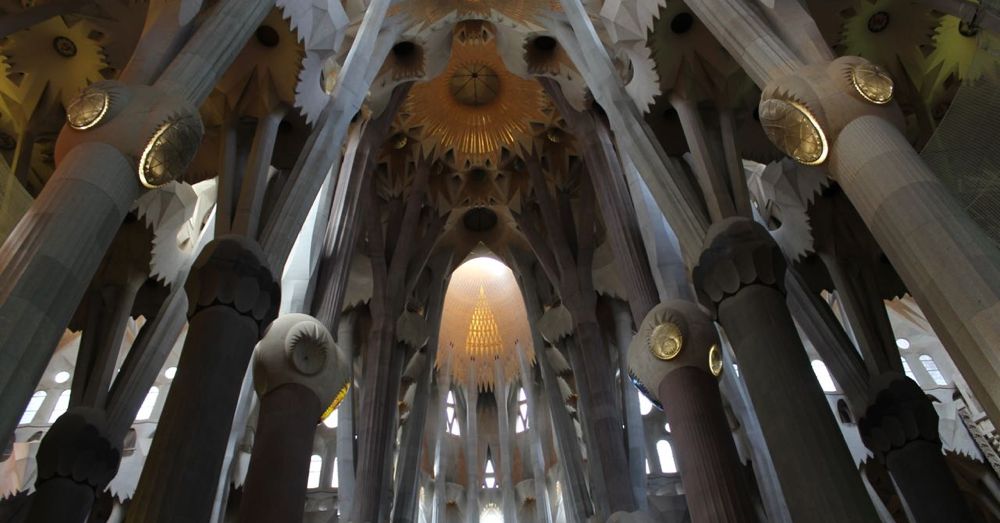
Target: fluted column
[
  {"x": 740, "y": 277},
  {"x": 471, "y": 437},
  {"x": 634, "y": 429},
  {"x": 534, "y": 431},
  {"x": 901, "y": 428},
  {"x": 676, "y": 353},
  {"x": 440, "y": 455},
  {"x": 76, "y": 461},
  {"x": 233, "y": 296},
  {"x": 345, "y": 420},
  {"x": 298, "y": 372},
  {"x": 501, "y": 392}
]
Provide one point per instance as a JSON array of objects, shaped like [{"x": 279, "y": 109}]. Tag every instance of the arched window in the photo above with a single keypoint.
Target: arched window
[
  {"x": 61, "y": 405},
  {"x": 451, "y": 416},
  {"x": 521, "y": 424},
  {"x": 128, "y": 447},
  {"x": 666, "y": 455},
  {"x": 645, "y": 406},
  {"x": 331, "y": 420},
  {"x": 315, "y": 468},
  {"x": 490, "y": 476},
  {"x": 146, "y": 409},
  {"x": 335, "y": 480},
  {"x": 823, "y": 376},
  {"x": 907, "y": 370},
  {"x": 36, "y": 403},
  {"x": 931, "y": 367},
  {"x": 647, "y": 466}
]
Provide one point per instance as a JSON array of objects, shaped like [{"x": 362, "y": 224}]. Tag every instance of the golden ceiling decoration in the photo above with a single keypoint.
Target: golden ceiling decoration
[
  {"x": 715, "y": 360},
  {"x": 483, "y": 318},
  {"x": 666, "y": 341},
  {"x": 476, "y": 106},
  {"x": 793, "y": 129},
  {"x": 872, "y": 83},
  {"x": 88, "y": 109},
  {"x": 430, "y": 11}
]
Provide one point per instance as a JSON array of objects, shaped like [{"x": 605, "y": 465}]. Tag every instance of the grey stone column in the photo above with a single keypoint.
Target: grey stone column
[
  {"x": 534, "y": 431},
  {"x": 501, "y": 391},
  {"x": 740, "y": 277},
  {"x": 345, "y": 421},
  {"x": 440, "y": 461},
  {"x": 901, "y": 428},
  {"x": 635, "y": 431},
  {"x": 677, "y": 353},
  {"x": 297, "y": 373},
  {"x": 471, "y": 437},
  {"x": 76, "y": 461},
  {"x": 232, "y": 296}
]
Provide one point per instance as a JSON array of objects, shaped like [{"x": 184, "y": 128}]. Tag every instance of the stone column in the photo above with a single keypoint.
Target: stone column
[
  {"x": 119, "y": 138},
  {"x": 440, "y": 461},
  {"x": 634, "y": 428},
  {"x": 76, "y": 461},
  {"x": 676, "y": 353},
  {"x": 534, "y": 430},
  {"x": 298, "y": 372},
  {"x": 471, "y": 437},
  {"x": 901, "y": 428},
  {"x": 740, "y": 277},
  {"x": 345, "y": 421},
  {"x": 501, "y": 392},
  {"x": 233, "y": 296}
]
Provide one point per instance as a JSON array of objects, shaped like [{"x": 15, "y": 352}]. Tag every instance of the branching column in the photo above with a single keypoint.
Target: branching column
[
  {"x": 51, "y": 256},
  {"x": 740, "y": 278},
  {"x": 233, "y": 297},
  {"x": 677, "y": 354},
  {"x": 298, "y": 371},
  {"x": 501, "y": 393}
]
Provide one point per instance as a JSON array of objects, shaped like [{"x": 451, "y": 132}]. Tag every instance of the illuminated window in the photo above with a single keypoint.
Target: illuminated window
[
  {"x": 908, "y": 370},
  {"x": 315, "y": 468},
  {"x": 36, "y": 403},
  {"x": 61, "y": 405},
  {"x": 491, "y": 514},
  {"x": 62, "y": 376},
  {"x": 521, "y": 423},
  {"x": 645, "y": 406},
  {"x": 666, "y": 455},
  {"x": 170, "y": 372},
  {"x": 903, "y": 343},
  {"x": 451, "y": 416},
  {"x": 146, "y": 409},
  {"x": 931, "y": 367},
  {"x": 647, "y": 466},
  {"x": 490, "y": 477},
  {"x": 823, "y": 375},
  {"x": 335, "y": 480}
]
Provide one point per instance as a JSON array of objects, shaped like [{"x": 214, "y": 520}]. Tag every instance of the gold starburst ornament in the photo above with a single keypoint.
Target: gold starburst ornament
[{"x": 666, "y": 341}]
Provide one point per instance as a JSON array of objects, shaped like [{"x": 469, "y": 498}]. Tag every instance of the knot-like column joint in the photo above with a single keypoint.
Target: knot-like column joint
[
  {"x": 803, "y": 113},
  {"x": 77, "y": 447},
  {"x": 739, "y": 253},
  {"x": 298, "y": 349},
  {"x": 674, "y": 334},
  {"x": 900, "y": 413},
  {"x": 158, "y": 132},
  {"x": 232, "y": 271}
]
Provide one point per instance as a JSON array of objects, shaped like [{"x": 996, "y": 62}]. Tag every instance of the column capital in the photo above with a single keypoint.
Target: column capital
[
  {"x": 158, "y": 132},
  {"x": 232, "y": 271},
  {"x": 298, "y": 348},
  {"x": 738, "y": 253},
  {"x": 803, "y": 113},
  {"x": 675, "y": 334},
  {"x": 77, "y": 447},
  {"x": 898, "y": 414}
]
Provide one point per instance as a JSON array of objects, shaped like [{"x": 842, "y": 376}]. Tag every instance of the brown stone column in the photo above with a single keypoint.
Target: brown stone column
[
  {"x": 677, "y": 353},
  {"x": 298, "y": 372},
  {"x": 901, "y": 428},
  {"x": 740, "y": 277},
  {"x": 232, "y": 297},
  {"x": 76, "y": 461}
]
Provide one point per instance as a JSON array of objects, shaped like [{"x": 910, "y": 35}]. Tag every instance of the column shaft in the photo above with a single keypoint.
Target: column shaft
[
  {"x": 714, "y": 481},
  {"x": 926, "y": 484},
  {"x": 275, "y": 486}
]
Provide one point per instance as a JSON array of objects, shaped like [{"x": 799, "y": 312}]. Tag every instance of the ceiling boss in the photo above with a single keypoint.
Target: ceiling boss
[{"x": 476, "y": 106}]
